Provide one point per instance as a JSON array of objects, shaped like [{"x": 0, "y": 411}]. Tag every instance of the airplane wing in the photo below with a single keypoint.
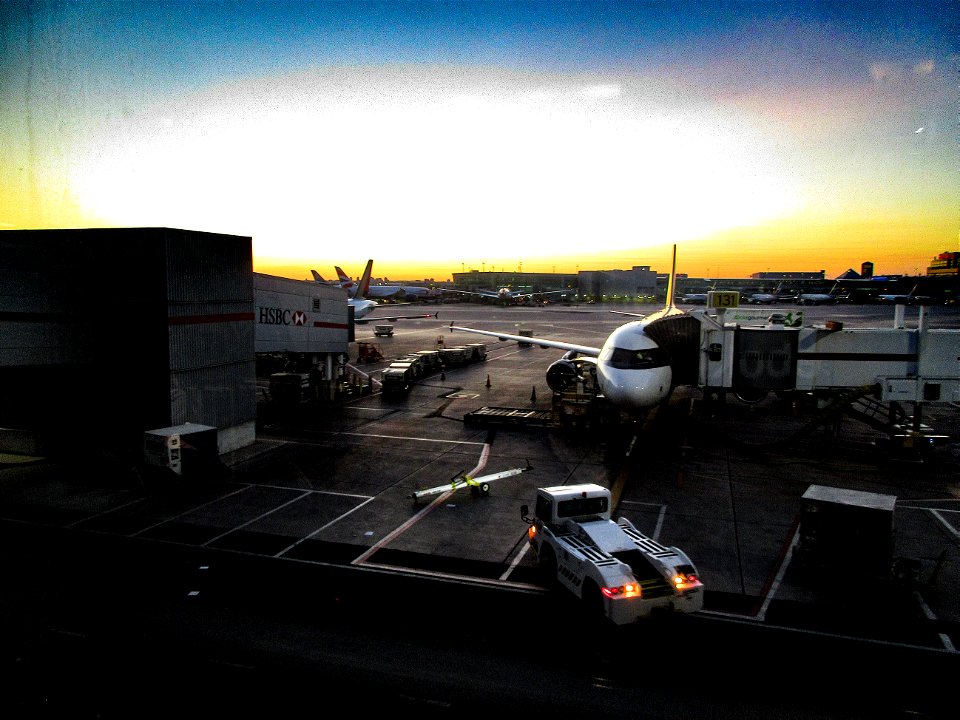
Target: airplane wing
[
  {"x": 479, "y": 293},
  {"x": 544, "y": 292},
  {"x": 393, "y": 318},
  {"x": 540, "y": 342}
]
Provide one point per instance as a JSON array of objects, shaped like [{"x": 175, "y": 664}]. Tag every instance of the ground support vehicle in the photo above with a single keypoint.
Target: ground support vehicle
[
  {"x": 455, "y": 356},
  {"x": 431, "y": 359},
  {"x": 368, "y": 352},
  {"x": 508, "y": 416},
  {"x": 477, "y": 485},
  {"x": 383, "y": 330},
  {"x": 476, "y": 352},
  {"x": 619, "y": 572},
  {"x": 290, "y": 388},
  {"x": 417, "y": 362},
  {"x": 398, "y": 378}
]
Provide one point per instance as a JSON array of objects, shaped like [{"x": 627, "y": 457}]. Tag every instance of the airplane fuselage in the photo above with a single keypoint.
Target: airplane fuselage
[
  {"x": 398, "y": 292},
  {"x": 632, "y": 371},
  {"x": 361, "y": 307},
  {"x": 815, "y": 299}
]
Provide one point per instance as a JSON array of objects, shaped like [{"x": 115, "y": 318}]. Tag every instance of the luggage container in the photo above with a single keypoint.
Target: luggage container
[{"x": 846, "y": 529}]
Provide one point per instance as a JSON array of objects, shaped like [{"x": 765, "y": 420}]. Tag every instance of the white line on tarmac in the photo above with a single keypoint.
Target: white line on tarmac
[
  {"x": 950, "y": 528},
  {"x": 402, "y": 528},
  {"x": 762, "y": 612},
  {"x": 323, "y": 527},
  {"x": 944, "y": 638},
  {"x": 516, "y": 561},
  {"x": 258, "y": 517},
  {"x": 406, "y": 437}
]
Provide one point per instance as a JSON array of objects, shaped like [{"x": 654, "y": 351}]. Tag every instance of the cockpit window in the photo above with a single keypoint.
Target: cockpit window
[{"x": 647, "y": 359}]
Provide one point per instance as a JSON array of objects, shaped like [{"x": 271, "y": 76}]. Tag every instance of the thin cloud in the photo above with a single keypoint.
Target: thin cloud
[
  {"x": 602, "y": 91},
  {"x": 884, "y": 73}
]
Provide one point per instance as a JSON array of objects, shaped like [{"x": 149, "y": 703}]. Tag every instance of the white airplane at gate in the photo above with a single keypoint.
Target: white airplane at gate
[{"x": 634, "y": 370}]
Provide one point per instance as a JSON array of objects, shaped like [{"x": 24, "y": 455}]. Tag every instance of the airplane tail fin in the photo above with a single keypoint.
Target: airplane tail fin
[
  {"x": 672, "y": 281},
  {"x": 363, "y": 287},
  {"x": 346, "y": 282},
  {"x": 317, "y": 277}
]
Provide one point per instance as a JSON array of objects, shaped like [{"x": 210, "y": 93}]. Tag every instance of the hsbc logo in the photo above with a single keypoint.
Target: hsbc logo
[{"x": 281, "y": 316}]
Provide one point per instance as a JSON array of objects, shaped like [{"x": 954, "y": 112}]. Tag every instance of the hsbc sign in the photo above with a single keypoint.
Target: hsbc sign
[
  {"x": 281, "y": 316},
  {"x": 297, "y": 316}
]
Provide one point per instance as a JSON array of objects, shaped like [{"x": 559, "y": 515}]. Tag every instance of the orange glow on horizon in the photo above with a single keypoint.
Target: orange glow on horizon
[{"x": 898, "y": 247}]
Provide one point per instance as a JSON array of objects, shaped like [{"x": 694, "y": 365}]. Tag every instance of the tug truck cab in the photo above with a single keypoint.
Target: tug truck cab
[
  {"x": 618, "y": 572},
  {"x": 398, "y": 378}
]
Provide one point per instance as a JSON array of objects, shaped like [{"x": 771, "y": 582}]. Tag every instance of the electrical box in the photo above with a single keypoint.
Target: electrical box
[
  {"x": 183, "y": 449},
  {"x": 289, "y": 388}
]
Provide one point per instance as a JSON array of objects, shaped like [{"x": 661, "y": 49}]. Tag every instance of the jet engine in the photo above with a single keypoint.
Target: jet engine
[{"x": 564, "y": 374}]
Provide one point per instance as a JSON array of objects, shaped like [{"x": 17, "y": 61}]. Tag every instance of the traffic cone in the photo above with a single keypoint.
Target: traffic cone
[
  {"x": 533, "y": 394},
  {"x": 488, "y": 381}
]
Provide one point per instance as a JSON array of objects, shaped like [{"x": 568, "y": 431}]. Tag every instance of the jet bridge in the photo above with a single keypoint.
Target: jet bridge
[{"x": 751, "y": 359}]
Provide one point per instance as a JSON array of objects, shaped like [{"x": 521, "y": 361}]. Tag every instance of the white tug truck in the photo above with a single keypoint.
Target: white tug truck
[{"x": 615, "y": 569}]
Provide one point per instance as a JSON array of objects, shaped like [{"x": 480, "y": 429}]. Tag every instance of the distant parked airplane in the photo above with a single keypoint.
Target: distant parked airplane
[
  {"x": 816, "y": 298},
  {"x": 361, "y": 304},
  {"x": 770, "y": 298},
  {"x": 910, "y": 298},
  {"x": 388, "y": 292},
  {"x": 507, "y": 296}
]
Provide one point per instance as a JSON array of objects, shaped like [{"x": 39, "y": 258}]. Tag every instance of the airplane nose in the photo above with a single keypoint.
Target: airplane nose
[{"x": 638, "y": 389}]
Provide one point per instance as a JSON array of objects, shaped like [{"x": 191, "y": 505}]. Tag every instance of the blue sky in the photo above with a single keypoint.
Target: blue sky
[{"x": 439, "y": 136}]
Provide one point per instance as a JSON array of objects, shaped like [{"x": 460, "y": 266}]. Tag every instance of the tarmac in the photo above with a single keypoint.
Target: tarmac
[{"x": 332, "y": 484}]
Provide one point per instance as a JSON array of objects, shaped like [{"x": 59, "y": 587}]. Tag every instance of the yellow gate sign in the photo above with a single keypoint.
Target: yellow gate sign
[{"x": 723, "y": 299}]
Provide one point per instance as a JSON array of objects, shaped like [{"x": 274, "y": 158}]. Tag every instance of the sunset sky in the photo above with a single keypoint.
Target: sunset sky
[{"x": 436, "y": 137}]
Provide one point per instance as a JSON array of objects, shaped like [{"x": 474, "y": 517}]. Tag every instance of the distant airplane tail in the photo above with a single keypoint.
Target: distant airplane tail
[
  {"x": 346, "y": 282},
  {"x": 363, "y": 287},
  {"x": 317, "y": 277},
  {"x": 671, "y": 281}
]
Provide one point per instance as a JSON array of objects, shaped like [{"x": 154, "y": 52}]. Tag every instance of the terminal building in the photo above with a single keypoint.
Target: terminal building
[
  {"x": 940, "y": 285},
  {"x": 106, "y": 334}
]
